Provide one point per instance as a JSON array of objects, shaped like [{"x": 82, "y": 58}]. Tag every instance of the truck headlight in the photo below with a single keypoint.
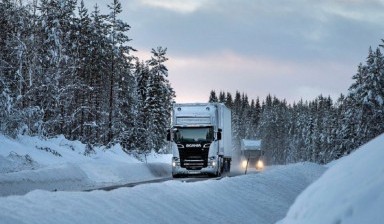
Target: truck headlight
[
  {"x": 212, "y": 161},
  {"x": 175, "y": 161},
  {"x": 244, "y": 164},
  {"x": 260, "y": 165}
]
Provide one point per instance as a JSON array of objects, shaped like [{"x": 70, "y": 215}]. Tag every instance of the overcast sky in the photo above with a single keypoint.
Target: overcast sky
[{"x": 293, "y": 49}]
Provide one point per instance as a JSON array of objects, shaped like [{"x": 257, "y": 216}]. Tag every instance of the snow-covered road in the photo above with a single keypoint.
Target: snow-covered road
[
  {"x": 254, "y": 198},
  {"x": 349, "y": 191},
  {"x": 30, "y": 177}
]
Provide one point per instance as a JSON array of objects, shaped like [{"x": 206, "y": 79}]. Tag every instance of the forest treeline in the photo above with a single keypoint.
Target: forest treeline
[
  {"x": 65, "y": 70},
  {"x": 320, "y": 130}
]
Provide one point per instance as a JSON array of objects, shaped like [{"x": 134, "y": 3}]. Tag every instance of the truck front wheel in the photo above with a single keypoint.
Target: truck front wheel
[{"x": 227, "y": 166}]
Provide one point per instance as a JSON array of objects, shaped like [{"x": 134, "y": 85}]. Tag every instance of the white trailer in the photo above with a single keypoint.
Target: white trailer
[{"x": 201, "y": 139}]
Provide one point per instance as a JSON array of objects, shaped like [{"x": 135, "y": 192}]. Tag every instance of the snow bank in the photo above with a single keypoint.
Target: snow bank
[
  {"x": 253, "y": 198},
  {"x": 30, "y": 163},
  {"x": 351, "y": 191}
]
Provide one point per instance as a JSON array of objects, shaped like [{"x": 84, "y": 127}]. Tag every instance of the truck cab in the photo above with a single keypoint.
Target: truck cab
[{"x": 195, "y": 138}]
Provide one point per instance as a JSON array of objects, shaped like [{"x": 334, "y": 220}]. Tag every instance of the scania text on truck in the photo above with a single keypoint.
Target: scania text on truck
[{"x": 201, "y": 139}]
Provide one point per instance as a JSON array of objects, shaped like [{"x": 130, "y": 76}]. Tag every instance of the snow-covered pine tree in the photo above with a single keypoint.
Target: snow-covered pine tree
[
  {"x": 8, "y": 67},
  {"x": 72, "y": 83},
  {"x": 256, "y": 118},
  {"x": 80, "y": 116},
  {"x": 366, "y": 95},
  {"x": 229, "y": 101},
  {"x": 138, "y": 139},
  {"x": 322, "y": 113},
  {"x": 337, "y": 130},
  {"x": 222, "y": 97},
  {"x": 122, "y": 80},
  {"x": 236, "y": 120},
  {"x": 329, "y": 137},
  {"x": 252, "y": 119},
  {"x": 244, "y": 117},
  {"x": 98, "y": 54},
  {"x": 159, "y": 99},
  {"x": 54, "y": 27},
  {"x": 273, "y": 129},
  {"x": 115, "y": 8},
  {"x": 17, "y": 53},
  {"x": 295, "y": 141},
  {"x": 213, "y": 97}
]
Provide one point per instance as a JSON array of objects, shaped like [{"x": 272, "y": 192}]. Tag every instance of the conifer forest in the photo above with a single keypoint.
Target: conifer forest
[
  {"x": 68, "y": 70},
  {"x": 320, "y": 130}
]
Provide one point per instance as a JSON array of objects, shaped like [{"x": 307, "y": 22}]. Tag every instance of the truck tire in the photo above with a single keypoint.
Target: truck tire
[
  {"x": 227, "y": 166},
  {"x": 219, "y": 171},
  {"x": 216, "y": 174}
]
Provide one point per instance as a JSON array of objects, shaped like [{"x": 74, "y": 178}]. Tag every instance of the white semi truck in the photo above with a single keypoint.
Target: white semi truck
[{"x": 201, "y": 139}]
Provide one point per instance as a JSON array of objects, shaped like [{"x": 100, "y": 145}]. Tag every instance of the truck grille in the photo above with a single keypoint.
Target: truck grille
[
  {"x": 193, "y": 159},
  {"x": 193, "y": 164}
]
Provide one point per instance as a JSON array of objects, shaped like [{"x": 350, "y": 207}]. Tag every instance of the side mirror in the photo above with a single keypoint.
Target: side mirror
[
  {"x": 169, "y": 135},
  {"x": 219, "y": 134}
]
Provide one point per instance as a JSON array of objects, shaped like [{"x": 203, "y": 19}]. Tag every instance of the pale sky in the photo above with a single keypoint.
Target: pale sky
[{"x": 292, "y": 49}]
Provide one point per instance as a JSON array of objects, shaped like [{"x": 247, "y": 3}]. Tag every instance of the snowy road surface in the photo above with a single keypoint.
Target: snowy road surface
[
  {"x": 254, "y": 198},
  {"x": 349, "y": 191}
]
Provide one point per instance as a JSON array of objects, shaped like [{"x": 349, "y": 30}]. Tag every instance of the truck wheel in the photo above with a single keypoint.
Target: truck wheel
[
  {"x": 227, "y": 166},
  {"x": 218, "y": 173}
]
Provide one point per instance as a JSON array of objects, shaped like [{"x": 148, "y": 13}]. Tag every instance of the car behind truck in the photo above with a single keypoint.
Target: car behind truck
[{"x": 201, "y": 139}]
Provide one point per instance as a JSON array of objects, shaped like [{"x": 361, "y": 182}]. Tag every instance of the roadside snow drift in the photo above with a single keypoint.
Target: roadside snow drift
[
  {"x": 58, "y": 164},
  {"x": 254, "y": 198},
  {"x": 38, "y": 186},
  {"x": 351, "y": 191}
]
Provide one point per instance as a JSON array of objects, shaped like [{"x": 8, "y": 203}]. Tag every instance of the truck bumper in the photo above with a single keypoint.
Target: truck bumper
[{"x": 177, "y": 170}]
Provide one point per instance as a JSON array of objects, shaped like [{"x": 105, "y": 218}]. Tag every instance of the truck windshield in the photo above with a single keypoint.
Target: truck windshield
[{"x": 194, "y": 134}]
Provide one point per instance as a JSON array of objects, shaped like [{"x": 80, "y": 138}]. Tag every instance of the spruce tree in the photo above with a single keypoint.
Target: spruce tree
[
  {"x": 159, "y": 99},
  {"x": 367, "y": 95},
  {"x": 213, "y": 97}
]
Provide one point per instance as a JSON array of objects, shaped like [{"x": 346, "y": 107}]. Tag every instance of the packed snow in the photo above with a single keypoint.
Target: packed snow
[
  {"x": 41, "y": 181},
  {"x": 58, "y": 164},
  {"x": 350, "y": 191}
]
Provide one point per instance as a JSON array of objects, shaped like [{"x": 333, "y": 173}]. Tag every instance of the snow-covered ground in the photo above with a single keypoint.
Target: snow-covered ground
[
  {"x": 350, "y": 191},
  {"x": 40, "y": 182},
  {"x": 58, "y": 164}
]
